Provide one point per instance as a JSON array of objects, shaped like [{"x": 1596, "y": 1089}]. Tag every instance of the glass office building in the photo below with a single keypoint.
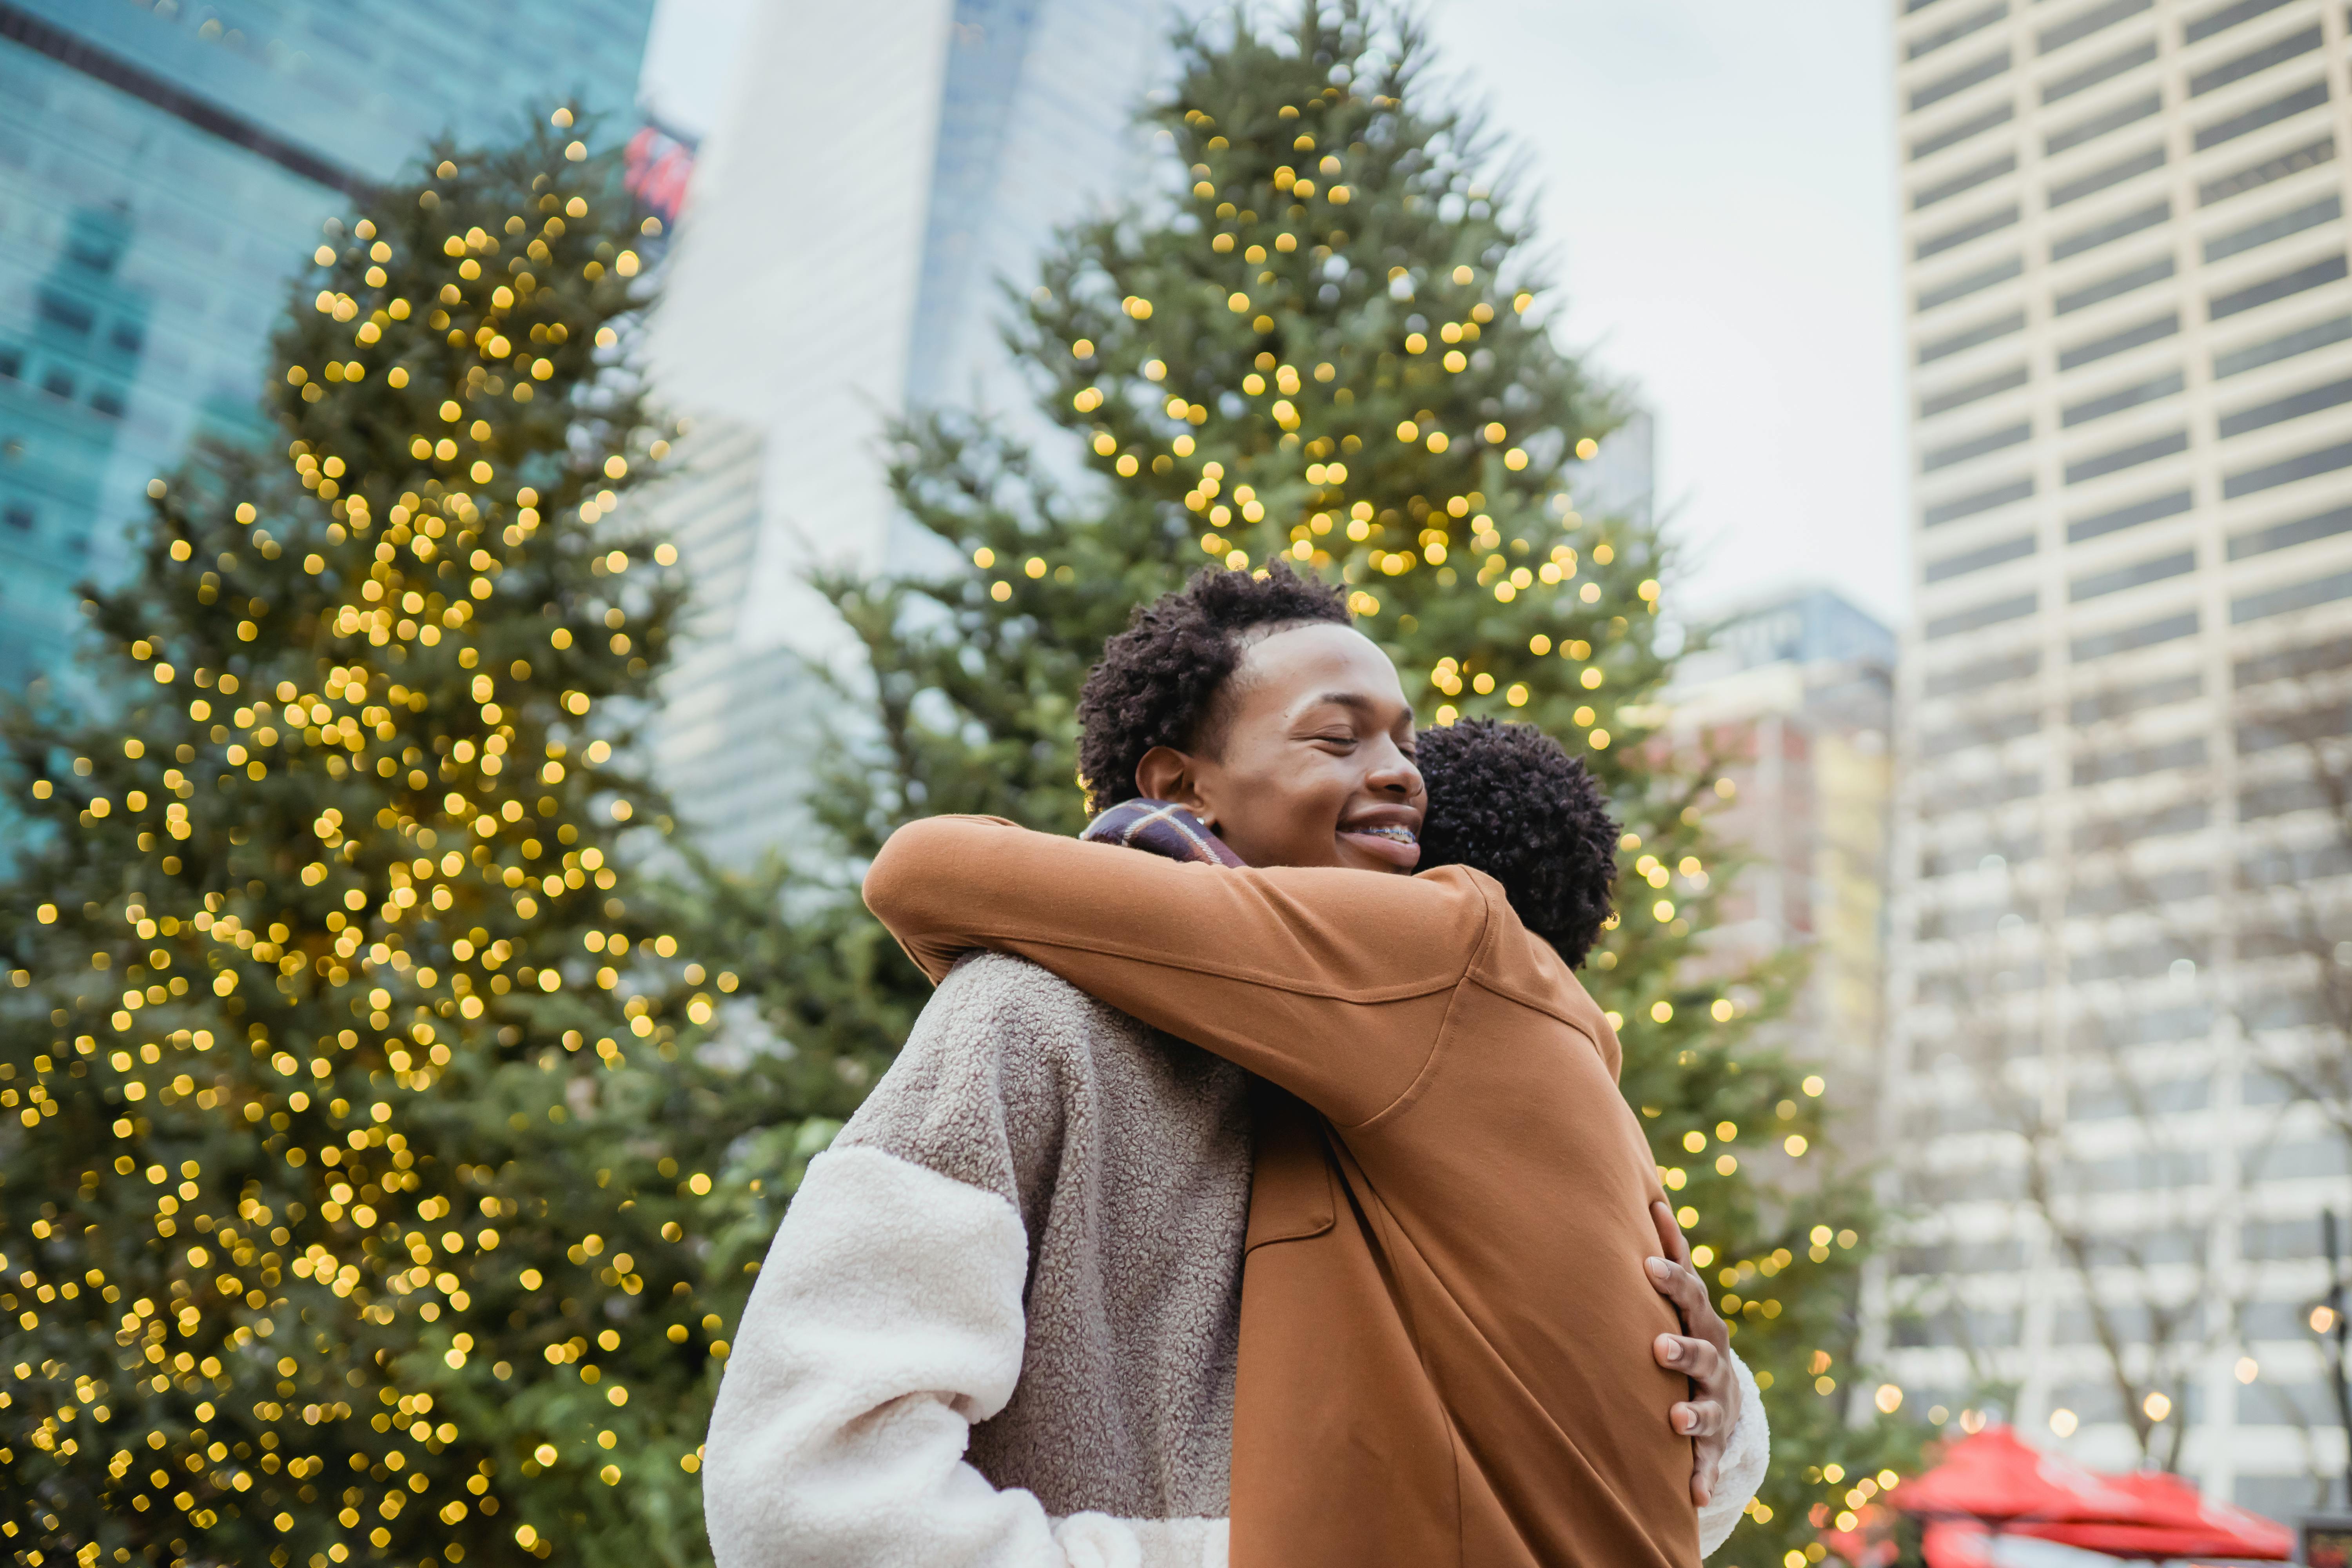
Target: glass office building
[
  {"x": 810, "y": 299},
  {"x": 165, "y": 166}
]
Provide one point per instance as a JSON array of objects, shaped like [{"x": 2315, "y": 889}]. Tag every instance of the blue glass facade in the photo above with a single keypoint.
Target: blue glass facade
[
  {"x": 1036, "y": 131},
  {"x": 165, "y": 166}
]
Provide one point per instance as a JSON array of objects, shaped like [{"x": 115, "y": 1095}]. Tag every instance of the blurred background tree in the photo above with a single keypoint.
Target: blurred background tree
[
  {"x": 1330, "y": 340},
  {"x": 361, "y": 1202}
]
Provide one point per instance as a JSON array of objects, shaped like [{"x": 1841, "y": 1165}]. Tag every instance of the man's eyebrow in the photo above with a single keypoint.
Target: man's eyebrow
[{"x": 1357, "y": 701}]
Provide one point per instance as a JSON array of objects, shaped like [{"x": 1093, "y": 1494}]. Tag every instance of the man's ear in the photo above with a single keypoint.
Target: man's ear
[{"x": 1167, "y": 773}]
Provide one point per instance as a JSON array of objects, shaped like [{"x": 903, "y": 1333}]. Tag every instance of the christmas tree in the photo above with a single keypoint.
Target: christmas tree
[
  {"x": 365, "y": 1202},
  {"x": 1329, "y": 343}
]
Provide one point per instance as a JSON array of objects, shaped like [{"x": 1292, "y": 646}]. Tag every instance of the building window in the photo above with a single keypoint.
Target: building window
[
  {"x": 2147, "y": 331},
  {"x": 128, "y": 337},
  {"x": 2131, "y": 112},
  {"x": 2308, "y": 157},
  {"x": 2327, "y": 270},
  {"x": 2154, "y": 510},
  {"x": 2286, "y": 345},
  {"x": 66, "y": 314},
  {"x": 1976, "y": 228},
  {"x": 1968, "y": 179},
  {"x": 2283, "y": 535},
  {"x": 2131, "y": 457},
  {"x": 2099, "y": 584},
  {"x": 1972, "y": 283},
  {"x": 2114, "y": 286},
  {"x": 2262, "y": 114},
  {"x": 1973, "y": 392},
  {"x": 12, "y": 363},
  {"x": 2113, "y": 229},
  {"x": 108, "y": 402},
  {"x": 2256, "y": 235},
  {"x": 1937, "y": 457},
  {"x": 57, "y": 383},
  {"x": 1981, "y": 501},
  {"x": 2082, "y": 23},
  {"x": 2071, "y": 191},
  {"x": 2225, "y": 18},
  {"x": 1952, "y": 136},
  {"x": 2091, "y": 76},
  {"x": 18, "y": 516},
  {"x": 2269, "y": 476},
  {"x": 2131, "y": 639},
  {"x": 1994, "y": 554},
  {"x": 1961, "y": 341},
  {"x": 2295, "y": 406},
  {"x": 2253, "y": 60},
  {"x": 1982, "y": 617},
  {"x": 1961, "y": 80},
  {"x": 2293, "y": 596},
  {"x": 2152, "y": 390}
]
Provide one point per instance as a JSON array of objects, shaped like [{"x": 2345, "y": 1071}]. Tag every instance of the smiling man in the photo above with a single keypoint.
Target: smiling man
[{"x": 1450, "y": 1347}]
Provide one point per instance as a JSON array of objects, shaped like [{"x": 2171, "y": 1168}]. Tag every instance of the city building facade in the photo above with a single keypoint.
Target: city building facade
[
  {"x": 810, "y": 300},
  {"x": 165, "y": 168},
  {"x": 1793, "y": 695},
  {"x": 2114, "y": 1078}
]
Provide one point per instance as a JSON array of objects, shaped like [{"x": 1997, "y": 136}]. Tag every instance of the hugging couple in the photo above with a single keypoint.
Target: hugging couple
[{"x": 1242, "y": 1196}]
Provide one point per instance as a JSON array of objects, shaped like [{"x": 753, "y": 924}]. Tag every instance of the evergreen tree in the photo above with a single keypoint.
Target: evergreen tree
[
  {"x": 361, "y": 1204},
  {"x": 1328, "y": 342}
]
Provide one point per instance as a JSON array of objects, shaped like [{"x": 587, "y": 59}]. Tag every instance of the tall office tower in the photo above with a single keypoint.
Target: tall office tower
[
  {"x": 165, "y": 169},
  {"x": 841, "y": 264},
  {"x": 2116, "y": 1074},
  {"x": 1795, "y": 694}
]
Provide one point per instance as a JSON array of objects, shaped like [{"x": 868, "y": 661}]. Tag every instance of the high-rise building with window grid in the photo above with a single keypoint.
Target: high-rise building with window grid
[
  {"x": 826, "y": 281},
  {"x": 2117, "y": 1080},
  {"x": 165, "y": 168}
]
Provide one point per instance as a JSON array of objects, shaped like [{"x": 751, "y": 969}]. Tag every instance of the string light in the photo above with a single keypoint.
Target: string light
[{"x": 339, "y": 1186}]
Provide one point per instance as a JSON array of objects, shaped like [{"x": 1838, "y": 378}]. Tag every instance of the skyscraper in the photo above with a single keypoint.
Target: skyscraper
[
  {"x": 165, "y": 169},
  {"x": 816, "y": 290},
  {"x": 2116, "y": 1086}
]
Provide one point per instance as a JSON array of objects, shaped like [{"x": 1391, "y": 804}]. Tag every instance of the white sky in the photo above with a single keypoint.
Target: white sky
[{"x": 1715, "y": 181}]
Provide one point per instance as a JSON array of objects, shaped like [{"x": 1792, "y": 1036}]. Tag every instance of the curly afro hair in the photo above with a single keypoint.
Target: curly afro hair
[
  {"x": 1158, "y": 681},
  {"x": 1507, "y": 800}
]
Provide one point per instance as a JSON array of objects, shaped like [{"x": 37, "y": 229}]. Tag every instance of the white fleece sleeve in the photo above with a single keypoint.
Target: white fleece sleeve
[
  {"x": 887, "y": 1320},
  {"x": 1745, "y": 1458}
]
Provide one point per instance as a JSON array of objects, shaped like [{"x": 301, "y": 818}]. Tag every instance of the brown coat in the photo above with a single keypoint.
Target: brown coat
[{"x": 1446, "y": 1326}]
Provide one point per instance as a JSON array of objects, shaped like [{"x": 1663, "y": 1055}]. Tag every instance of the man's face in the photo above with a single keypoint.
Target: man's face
[{"x": 1315, "y": 767}]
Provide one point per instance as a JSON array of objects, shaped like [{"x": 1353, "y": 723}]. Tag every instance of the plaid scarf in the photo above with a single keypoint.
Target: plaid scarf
[{"x": 1160, "y": 827}]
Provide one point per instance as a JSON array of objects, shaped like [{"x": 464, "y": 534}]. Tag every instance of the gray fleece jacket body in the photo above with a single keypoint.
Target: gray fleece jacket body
[{"x": 999, "y": 1323}]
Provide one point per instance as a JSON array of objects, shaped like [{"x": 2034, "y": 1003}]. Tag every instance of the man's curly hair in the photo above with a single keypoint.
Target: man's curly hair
[
  {"x": 1508, "y": 800},
  {"x": 1160, "y": 680}
]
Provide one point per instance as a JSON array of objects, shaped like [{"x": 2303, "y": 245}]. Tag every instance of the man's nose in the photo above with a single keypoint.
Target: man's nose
[{"x": 1395, "y": 774}]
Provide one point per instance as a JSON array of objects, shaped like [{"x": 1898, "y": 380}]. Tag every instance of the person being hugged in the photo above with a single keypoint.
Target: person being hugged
[{"x": 1466, "y": 1330}]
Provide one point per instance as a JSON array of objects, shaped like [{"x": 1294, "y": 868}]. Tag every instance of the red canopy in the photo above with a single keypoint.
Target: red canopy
[
  {"x": 2178, "y": 1521},
  {"x": 1996, "y": 1480},
  {"x": 1992, "y": 1479}
]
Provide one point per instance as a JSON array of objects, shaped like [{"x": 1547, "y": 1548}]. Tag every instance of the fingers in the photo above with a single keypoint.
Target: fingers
[
  {"x": 1701, "y": 1419},
  {"x": 1687, "y": 1291},
  {"x": 1695, "y": 1359},
  {"x": 1704, "y": 1473},
  {"x": 1670, "y": 1240}
]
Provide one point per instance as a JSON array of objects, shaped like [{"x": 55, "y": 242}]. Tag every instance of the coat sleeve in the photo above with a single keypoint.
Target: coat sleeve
[
  {"x": 885, "y": 1321},
  {"x": 1277, "y": 969},
  {"x": 1745, "y": 1458}
]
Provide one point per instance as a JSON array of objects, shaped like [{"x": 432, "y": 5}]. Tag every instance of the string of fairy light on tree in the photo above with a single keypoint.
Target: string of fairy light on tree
[{"x": 367, "y": 1206}]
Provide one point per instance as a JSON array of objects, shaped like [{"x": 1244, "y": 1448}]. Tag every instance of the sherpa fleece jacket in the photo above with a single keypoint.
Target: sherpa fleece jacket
[
  {"x": 1028, "y": 1240},
  {"x": 1446, "y": 1321}
]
